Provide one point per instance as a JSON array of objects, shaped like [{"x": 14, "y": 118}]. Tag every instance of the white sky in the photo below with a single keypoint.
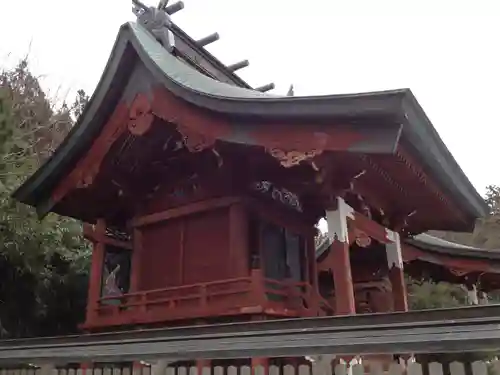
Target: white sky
[{"x": 446, "y": 51}]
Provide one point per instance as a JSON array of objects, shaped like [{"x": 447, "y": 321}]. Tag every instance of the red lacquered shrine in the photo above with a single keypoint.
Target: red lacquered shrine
[{"x": 201, "y": 194}]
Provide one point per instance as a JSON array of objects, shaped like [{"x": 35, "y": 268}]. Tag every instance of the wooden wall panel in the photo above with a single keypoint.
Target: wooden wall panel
[
  {"x": 161, "y": 262},
  {"x": 206, "y": 247}
]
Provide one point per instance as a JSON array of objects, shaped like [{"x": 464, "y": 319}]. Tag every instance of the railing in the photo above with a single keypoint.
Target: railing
[
  {"x": 471, "y": 329},
  {"x": 350, "y": 345},
  {"x": 298, "y": 296},
  {"x": 434, "y": 368},
  {"x": 212, "y": 299},
  {"x": 185, "y": 301}
]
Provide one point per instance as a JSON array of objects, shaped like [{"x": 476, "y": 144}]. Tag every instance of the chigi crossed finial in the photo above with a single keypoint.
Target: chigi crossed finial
[
  {"x": 174, "y": 8},
  {"x": 140, "y": 7},
  {"x": 162, "y": 4},
  {"x": 158, "y": 22}
]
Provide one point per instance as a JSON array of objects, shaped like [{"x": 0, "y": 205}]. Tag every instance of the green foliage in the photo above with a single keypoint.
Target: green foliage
[
  {"x": 493, "y": 199},
  {"x": 487, "y": 230},
  {"x": 43, "y": 264},
  {"x": 426, "y": 294}
]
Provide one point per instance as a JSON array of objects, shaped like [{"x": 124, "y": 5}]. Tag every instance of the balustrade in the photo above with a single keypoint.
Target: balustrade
[{"x": 212, "y": 299}]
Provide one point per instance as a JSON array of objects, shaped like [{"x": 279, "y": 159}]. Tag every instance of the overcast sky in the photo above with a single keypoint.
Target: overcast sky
[{"x": 445, "y": 51}]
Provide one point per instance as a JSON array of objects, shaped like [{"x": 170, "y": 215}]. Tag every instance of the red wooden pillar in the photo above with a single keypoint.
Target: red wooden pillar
[
  {"x": 312, "y": 269},
  {"x": 139, "y": 366},
  {"x": 201, "y": 364},
  {"x": 86, "y": 368},
  {"x": 135, "y": 274},
  {"x": 258, "y": 294},
  {"x": 396, "y": 273},
  {"x": 341, "y": 263},
  {"x": 260, "y": 361},
  {"x": 338, "y": 231},
  {"x": 94, "y": 291},
  {"x": 237, "y": 261},
  {"x": 396, "y": 277}
]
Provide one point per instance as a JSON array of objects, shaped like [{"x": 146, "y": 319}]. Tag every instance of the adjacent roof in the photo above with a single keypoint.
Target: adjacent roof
[
  {"x": 134, "y": 42},
  {"x": 437, "y": 245},
  {"x": 433, "y": 246}
]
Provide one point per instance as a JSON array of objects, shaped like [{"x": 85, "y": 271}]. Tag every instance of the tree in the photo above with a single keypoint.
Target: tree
[
  {"x": 43, "y": 264},
  {"x": 493, "y": 199},
  {"x": 426, "y": 294},
  {"x": 486, "y": 233}
]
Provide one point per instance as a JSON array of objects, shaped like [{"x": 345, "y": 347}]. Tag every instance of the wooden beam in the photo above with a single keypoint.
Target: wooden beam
[
  {"x": 239, "y": 65},
  {"x": 183, "y": 211},
  {"x": 237, "y": 261},
  {"x": 96, "y": 236},
  {"x": 208, "y": 39},
  {"x": 97, "y": 263},
  {"x": 137, "y": 257},
  {"x": 340, "y": 252},
  {"x": 370, "y": 227}
]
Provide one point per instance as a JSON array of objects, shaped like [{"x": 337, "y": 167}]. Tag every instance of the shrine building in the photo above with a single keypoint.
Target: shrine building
[{"x": 201, "y": 194}]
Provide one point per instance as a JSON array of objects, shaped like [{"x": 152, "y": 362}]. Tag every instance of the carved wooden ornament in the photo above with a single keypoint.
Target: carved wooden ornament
[
  {"x": 292, "y": 158},
  {"x": 362, "y": 239},
  {"x": 140, "y": 115},
  {"x": 193, "y": 140}
]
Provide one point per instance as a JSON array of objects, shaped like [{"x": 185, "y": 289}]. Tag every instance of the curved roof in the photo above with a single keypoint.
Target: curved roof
[
  {"x": 432, "y": 244},
  {"x": 399, "y": 106}
]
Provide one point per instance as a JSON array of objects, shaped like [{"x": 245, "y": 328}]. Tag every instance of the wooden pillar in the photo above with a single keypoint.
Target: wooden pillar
[
  {"x": 396, "y": 274},
  {"x": 139, "y": 366},
  {"x": 397, "y": 279},
  {"x": 313, "y": 264},
  {"x": 135, "y": 274},
  {"x": 203, "y": 363},
  {"x": 94, "y": 291},
  {"x": 262, "y": 362},
  {"x": 341, "y": 263},
  {"x": 237, "y": 261},
  {"x": 86, "y": 368}
]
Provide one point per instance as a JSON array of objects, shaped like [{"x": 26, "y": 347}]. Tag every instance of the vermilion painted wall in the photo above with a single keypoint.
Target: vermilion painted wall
[
  {"x": 206, "y": 247},
  {"x": 186, "y": 250}
]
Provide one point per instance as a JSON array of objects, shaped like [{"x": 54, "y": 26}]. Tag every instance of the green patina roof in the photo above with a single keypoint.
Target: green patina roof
[
  {"x": 192, "y": 86},
  {"x": 184, "y": 75},
  {"x": 435, "y": 245}
]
